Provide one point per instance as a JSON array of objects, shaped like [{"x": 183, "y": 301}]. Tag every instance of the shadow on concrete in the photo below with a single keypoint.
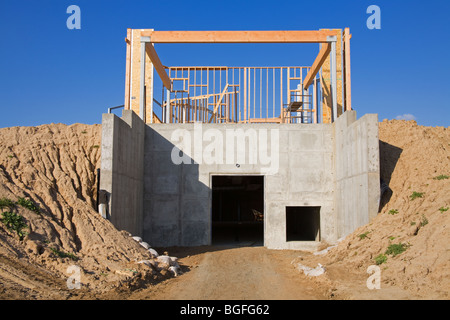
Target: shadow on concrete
[
  {"x": 176, "y": 203},
  {"x": 181, "y": 209},
  {"x": 389, "y": 156}
]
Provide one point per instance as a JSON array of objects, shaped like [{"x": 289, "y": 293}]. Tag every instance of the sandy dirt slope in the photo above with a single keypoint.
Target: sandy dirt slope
[
  {"x": 54, "y": 166},
  {"x": 414, "y": 160}
]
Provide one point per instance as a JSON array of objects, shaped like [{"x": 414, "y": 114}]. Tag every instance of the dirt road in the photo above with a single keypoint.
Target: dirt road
[{"x": 234, "y": 273}]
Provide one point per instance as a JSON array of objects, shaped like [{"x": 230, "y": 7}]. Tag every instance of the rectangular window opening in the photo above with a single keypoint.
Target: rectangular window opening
[{"x": 302, "y": 223}]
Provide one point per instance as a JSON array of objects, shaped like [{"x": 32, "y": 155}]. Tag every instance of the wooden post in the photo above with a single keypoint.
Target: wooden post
[
  {"x": 128, "y": 70},
  {"x": 347, "y": 79},
  {"x": 333, "y": 81},
  {"x": 327, "y": 94},
  {"x": 142, "y": 101},
  {"x": 288, "y": 92},
  {"x": 245, "y": 95}
]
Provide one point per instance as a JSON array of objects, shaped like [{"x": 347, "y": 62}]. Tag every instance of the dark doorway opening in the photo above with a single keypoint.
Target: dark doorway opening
[
  {"x": 302, "y": 223},
  {"x": 238, "y": 210}
]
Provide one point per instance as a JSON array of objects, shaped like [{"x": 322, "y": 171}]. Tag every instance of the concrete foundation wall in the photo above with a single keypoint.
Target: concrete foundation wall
[
  {"x": 122, "y": 169},
  {"x": 169, "y": 191},
  {"x": 357, "y": 171},
  {"x": 177, "y": 201}
]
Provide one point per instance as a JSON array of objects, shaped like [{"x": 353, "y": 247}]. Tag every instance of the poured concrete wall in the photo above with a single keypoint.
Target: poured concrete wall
[
  {"x": 122, "y": 169},
  {"x": 357, "y": 171},
  {"x": 177, "y": 202},
  {"x": 319, "y": 165}
]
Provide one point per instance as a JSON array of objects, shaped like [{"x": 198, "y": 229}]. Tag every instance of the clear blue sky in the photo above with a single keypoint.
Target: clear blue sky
[{"x": 50, "y": 74}]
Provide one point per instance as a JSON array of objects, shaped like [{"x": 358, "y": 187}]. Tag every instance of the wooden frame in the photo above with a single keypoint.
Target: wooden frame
[
  {"x": 326, "y": 37},
  {"x": 216, "y": 107}
]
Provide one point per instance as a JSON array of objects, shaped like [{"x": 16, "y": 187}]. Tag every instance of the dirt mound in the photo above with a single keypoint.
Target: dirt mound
[
  {"x": 51, "y": 170},
  {"x": 409, "y": 239}
]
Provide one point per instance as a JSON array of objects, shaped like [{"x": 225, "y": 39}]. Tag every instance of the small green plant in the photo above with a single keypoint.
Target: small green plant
[
  {"x": 416, "y": 195},
  {"x": 413, "y": 223},
  {"x": 380, "y": 259},
  {"x": 84, "y": 132},
  {"x": 63, "y": 254},
  {"x": 6, "y": 203},
  {"x": 363, "y": 235},
  {"x": 391, "y": 238},
  {"x": 441, "y": 177},
  {"x": 393, "y": 211},
  {"x": 14, "y": 222},
  {"x": 424, "y": 221},
  {"x": 95, "y": 146},
  {"x": 10, "y": 156},
  {"x": 26, "y": 203},
  {"x": 396, "y": 249},
  {"x": 131, "y": 270},
  {"x": 442, "y": 209}
]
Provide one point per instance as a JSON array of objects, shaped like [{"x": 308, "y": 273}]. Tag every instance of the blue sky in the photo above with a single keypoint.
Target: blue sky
[{"x": 50, "y": 74}]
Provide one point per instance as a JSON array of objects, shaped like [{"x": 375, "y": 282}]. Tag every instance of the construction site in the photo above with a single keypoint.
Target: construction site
[
  {"x": 227, "y": 182},
  {"x": 317, "y": 155}
]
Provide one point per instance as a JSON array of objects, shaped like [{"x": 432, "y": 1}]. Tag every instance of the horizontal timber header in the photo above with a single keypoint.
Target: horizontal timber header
[{"x": 311, "y": 36}]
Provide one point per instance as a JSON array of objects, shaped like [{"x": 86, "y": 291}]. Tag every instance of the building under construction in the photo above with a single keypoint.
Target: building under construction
[{"x": 222, "y": 154}]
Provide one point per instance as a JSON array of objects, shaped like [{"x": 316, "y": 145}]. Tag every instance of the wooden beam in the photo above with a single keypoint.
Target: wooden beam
[
  {"x": 205, "y": 96},
  {"x": 158, "y": 65},
  {"x": 347, "y": 75},
  {"x": 218, "y": 103},
  {"x": 128, "y": 70},
  {"x": 266, "y": 120},
  {"x": 282, "y": 36},
  {"x": 320, "y": 59}
]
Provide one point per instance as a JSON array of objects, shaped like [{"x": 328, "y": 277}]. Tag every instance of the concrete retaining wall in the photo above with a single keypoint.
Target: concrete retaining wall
[
  {"x": 357, "y": 171},
  {"x": 122, "y": 169}
]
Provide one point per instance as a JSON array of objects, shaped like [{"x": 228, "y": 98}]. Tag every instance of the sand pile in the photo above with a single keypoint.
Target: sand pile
[
  {"x": 409, "y": 239},
  {"x": 53, "y": 167}
]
